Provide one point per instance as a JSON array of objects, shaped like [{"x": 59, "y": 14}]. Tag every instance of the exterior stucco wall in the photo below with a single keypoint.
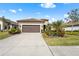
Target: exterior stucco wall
[
  {"x": 72, "y": 28},
  {"x": 46, "y": 22},
  {"x": 1, "y": 25},
  {"x": 20, "y": 25}
]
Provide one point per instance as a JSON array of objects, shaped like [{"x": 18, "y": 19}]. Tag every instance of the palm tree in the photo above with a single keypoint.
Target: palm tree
[{"x": 58, "y": 27}]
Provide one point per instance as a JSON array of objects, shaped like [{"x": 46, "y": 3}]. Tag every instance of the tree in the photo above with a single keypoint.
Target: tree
[
  {"x": 58, "y": 27},
  {"x": 3, "y": 19},
  {"x": 74, "y": 15}
]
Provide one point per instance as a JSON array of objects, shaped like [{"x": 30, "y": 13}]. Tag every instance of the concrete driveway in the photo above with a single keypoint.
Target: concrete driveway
[
  {"x": 65, "y": 50},
  {"x": 25, "y": 44}
]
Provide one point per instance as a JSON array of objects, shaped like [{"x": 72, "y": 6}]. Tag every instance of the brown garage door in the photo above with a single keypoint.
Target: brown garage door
[{"x": 31, "y": 28}]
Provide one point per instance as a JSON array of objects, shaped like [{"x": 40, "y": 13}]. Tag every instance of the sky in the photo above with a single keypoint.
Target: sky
[{"x": 51, "y": 11}]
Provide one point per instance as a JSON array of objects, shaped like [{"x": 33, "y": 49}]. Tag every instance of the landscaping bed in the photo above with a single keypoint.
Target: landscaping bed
[
  {"x": 4, "y": 35},
  {"x": 67, "y": 40}
]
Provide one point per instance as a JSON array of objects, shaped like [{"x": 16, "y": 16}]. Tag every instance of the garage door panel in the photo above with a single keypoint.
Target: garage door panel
[{"x": 31, "y": 28}]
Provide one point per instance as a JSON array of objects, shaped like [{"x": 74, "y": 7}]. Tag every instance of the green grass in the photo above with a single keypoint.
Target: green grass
[
  {"x": 4, "y": 35},
  {"x": 69, "y": 40}
]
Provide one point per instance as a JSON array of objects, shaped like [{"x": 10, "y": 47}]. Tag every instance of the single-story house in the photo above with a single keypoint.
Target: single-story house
[
  {"x": 32, "y": 25},
  {"x": 72, "y": 26},
  {"x": 6, "y": 24}
]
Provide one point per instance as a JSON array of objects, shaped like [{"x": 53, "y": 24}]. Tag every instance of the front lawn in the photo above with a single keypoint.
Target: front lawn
[
  {"x": 4, "y": 35},
  {"x": 68, "y": 40}
]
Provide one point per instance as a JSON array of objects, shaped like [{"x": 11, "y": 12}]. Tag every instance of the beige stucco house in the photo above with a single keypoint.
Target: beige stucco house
[
  {"x": 1, "y": 25},
  {"x": 6, "y": 24},
  {"x": 32, "y": 25},
  {"x": 72, "y": 26}
]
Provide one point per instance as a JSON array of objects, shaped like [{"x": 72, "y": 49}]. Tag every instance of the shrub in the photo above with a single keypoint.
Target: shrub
[
  {"x": 14, "y": 31},
  {"x": 18, "y": 30},
  {"x": 48, "y": 33},
  {"x": 76, "y": 31},
  {"x": 61, "y": 33},
  {"x": 58, "y": 33},
  {"x": 53, "y": 32},
  {"x": 72, "y": 33},
  {"x": 48, "y": 30}
]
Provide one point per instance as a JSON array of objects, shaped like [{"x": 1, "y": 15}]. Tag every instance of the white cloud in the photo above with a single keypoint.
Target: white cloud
[
  {"x": 52, "y": 20},
  {"x": 47, "y": 16},
  {"x": 48, "y": 5},
  {"x": 12, "y": 10},
  {"x": 65, "y": 15},
  {"x": 19, "y": 9},
  {"x": 15, "y": 11}
]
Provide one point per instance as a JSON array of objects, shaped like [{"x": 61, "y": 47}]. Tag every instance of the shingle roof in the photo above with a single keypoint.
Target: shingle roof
[
  {"x": 32, "y": 20},
  {"x": 7, "y": 20}
]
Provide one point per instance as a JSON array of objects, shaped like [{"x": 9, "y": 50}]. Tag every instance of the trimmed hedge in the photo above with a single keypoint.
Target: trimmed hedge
[
  {"x": 54, "y": 33},
  {"x": 72, "y": 32}
]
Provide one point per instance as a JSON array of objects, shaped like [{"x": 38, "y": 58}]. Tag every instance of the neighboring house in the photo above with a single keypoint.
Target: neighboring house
[
  {"x": 32, "y": 25},
  {"x": 6, "y": 24},
  {"x": 1, "y": 25},
  {"x": 72, "y": 26}
]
